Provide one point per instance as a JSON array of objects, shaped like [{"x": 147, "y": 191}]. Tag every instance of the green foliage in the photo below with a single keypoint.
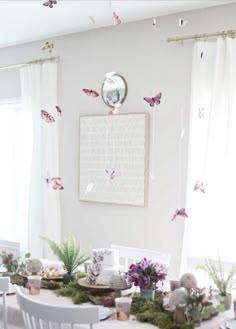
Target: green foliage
[
  {"x": 72, "y": 290},
  {"x": 224, "y": 282},
  {"x": 68, "y": 252},
  {"x": 152, "y": 312}
]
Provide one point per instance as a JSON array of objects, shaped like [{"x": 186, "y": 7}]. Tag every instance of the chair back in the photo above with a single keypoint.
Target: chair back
[
  {"x": 10, "y": 246},
  {"x": 4, "y": 288},
  {"x": 46, "y": 316},
  {"x": 130, "y": 255}
]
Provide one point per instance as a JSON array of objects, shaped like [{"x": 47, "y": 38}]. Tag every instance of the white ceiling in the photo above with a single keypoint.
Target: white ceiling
[{"x": 25, "y": 21}]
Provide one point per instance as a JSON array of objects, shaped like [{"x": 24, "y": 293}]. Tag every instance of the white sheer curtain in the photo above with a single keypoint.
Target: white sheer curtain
[
  {"x": 39, "y": 92},
  {"x": 15, "y": 165},
  {"x": 210, "y": 229}
]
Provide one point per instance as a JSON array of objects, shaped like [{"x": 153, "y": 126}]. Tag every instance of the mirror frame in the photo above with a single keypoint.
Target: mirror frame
[{"x": 125, "y": 94}]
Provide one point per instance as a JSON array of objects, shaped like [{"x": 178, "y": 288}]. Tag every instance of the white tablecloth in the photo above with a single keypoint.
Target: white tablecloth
[{"x": 15, "y": 320}]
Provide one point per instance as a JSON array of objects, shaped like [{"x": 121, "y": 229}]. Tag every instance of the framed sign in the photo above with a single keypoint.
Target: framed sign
[{"x": 114, "y": 158}]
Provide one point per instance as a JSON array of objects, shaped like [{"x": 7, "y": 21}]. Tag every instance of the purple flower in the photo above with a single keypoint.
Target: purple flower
[{"x": 146, "y": 273}]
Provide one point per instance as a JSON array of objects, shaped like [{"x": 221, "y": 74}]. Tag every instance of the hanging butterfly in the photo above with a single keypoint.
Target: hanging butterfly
[
  {"x": 47, "y": 117},
  {"x": 109, "y": 76},
  {"x": 180, "y": 212},
  {"x": 90, "y": 92},
  {"x": 201, "y": 112},
  {"x": 58, "y": 112},
  {"x": 201, "y": 55},
  {"x": 154, "y": 23},
  {"x": 115, "y": 110},
  {"x": 199, "y": 186},
  {"x": 48, "y": 46},
  {"x": 112, "y": 174},
  {"x": 153, "y": 100},
  {"x": 183, "y": 22},
  {"x": 116, "y": 20},
  {"x": 50, "y": 3},
  {"x": 56, "y": 181}
]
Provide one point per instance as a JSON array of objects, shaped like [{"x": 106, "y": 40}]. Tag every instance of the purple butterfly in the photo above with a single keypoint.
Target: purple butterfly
[
  {"x": 50, "y": 3},
  {"x": 180, "y": 212},
  {"x": 153, "y": 100},
  {"x": 58, "y": 112},
  {"x": 199, "y": 186},
  {"x": 112, "y": 174}
]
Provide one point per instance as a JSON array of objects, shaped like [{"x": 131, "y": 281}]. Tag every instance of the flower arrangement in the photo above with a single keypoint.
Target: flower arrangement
[
  {"x": 11, "y": 263},
  {"x": 146, "y": 274}
]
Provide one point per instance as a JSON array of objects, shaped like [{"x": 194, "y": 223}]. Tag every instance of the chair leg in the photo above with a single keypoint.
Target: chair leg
[
  {"x": 4, "y": 311},
  {"x": 91, "y": 326}
]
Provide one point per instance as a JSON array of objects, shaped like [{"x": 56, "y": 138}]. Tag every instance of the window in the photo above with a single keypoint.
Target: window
[{"x": 15, "y": 167}]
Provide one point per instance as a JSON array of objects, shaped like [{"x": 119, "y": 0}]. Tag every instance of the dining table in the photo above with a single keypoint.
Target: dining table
[{"x": 15, "y": 319}]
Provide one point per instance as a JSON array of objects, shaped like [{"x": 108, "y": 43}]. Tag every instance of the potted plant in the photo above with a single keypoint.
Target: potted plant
[
  {"x": 222, "y": 280},
  {"x": 69, "y": 253},
  {"x": 145, "y": 274}
]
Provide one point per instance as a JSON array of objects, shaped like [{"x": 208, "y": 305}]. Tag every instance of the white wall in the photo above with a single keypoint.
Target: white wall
[{"x": 150, "y": 65}]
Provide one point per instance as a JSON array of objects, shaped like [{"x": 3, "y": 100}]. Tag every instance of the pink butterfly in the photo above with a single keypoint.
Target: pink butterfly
[
  {"x": 47, "y": 117},
  {"x": 50, "y": 3},
  {"x": 57, "y": 183},
  {"x": 90, "y": 92},
  {"x": 115, "y": 110},
  {"x": 153, "y": 100},
  {"x": 180, "y": 212},
  {"x": 58, "y": 112},
  {"x": 199, "y": 186},
  {"x": 112, "y": 174},
  {"x": 116, "y": 20}
]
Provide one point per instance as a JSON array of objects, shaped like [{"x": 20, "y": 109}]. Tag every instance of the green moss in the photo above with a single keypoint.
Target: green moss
[{"x": 152, "y": 312}]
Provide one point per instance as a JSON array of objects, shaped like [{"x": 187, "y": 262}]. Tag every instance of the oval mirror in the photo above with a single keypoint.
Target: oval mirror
[{"x": 114, "y": 89}]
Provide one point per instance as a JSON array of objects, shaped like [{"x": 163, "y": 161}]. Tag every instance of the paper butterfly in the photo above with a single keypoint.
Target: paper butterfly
[
  {"x": 180, "y": 212},
  {"x": 48, "y": 46},
  {"x": 47, "y": 117},
  {"x": 115, "y": 109},
  {"x": 153, "y": 100},
  {"x": 199, "y": 186},
  {"x": 201, "y": 54},
  {"x": 154, "y": 23},
  {"x": 183, "y": 22},
  {"x": 109, "y": 76},
  {"x": 90, "y": 92},
  {"x": 112, "y": 174},
  {"x": 57, "y": 183},
  {"x": 201, "y": 112},
  {"x": 54, "y": 182},
  {"x": 116, "y": 20},
  {"x": 50, "y": 3},
  {"x": 58, "y": 112}
]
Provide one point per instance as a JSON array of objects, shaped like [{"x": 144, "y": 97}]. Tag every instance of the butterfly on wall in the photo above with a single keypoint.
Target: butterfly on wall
[
  {"x": 115, "y": 110},
  {"x": 90, "y": 92},
  {"x": 48, "y": 46},
  {"x": 111, "y": 173},
  {"x": 58, "y": 112},
  {"x": 154, "y": 23},
  {"x": 199, "y": 186},
  {"x": 54, "y": 183},
  {"x": 50, "y": 3},
  {"x": 153, "y": 100},
  {"x": 180, "y": 212},
  {"x": 116, "y": 20},
  {"x": 182, "y": 22},
  {"x": 47, "y": 117}
]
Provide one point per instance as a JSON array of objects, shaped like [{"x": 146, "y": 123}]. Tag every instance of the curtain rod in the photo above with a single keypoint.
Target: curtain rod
[
  {"x": 224, "y": 34},
  {"x": 36, "y": 61}
]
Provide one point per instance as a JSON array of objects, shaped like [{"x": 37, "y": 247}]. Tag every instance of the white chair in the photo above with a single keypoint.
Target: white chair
[
  {"x": 10, "y": 246},
  {"x": 4, "y": 288},
  {"x": 45, "y": 316},
  {"x": 130, "y": 255}
]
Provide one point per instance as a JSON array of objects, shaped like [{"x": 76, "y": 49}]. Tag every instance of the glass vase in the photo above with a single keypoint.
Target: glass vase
[{"x": 147, "y": 293}]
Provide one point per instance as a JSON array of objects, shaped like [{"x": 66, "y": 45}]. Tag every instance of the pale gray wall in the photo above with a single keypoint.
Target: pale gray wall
[{"x": 149, "y": 65}]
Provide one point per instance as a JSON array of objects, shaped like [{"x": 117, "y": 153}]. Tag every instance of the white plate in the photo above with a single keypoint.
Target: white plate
[
  {"x": 104, "y": 312},
  {"x": 11, "y": 291}
]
